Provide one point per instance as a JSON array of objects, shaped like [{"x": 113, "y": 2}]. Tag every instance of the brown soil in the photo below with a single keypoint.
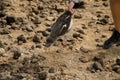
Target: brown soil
[{"x": 24, "y": 27}]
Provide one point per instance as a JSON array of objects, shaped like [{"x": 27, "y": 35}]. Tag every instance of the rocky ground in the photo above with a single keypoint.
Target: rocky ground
[{"x": 24, "y": 27}]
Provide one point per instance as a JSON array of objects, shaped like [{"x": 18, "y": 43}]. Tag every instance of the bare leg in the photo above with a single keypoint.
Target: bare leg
[{"x": 115, "y": 9}]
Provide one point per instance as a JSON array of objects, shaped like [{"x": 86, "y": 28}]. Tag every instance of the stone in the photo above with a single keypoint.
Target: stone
[
  {"x": 38, "y": 46},
  {"x": 85, "y": 50},
  {"x": 49, "y": 18},
  {"x": 34, "y": 60},
  {"x": 48, "y": 23},
  {"x": 36, "y": 11},
  {"x": 80, "y": 31},
  {"x": 97, "y": 58},
  {"x": 41, "y": 58},
  {"x": 2, "y": 7},
  {"x": 19, "y": 77},
  {"x": 2, "y": 51},
  {"x": 77, "y": 16},
  {"x": 37, "y": 20},
  {"x": 42, "y": 76},
  {"x": 106, "y": 16},
  {"x": 1, "y": 44},
  {"x": 116, "y": 68},
  {"x": 84, "y": 59},
  {"x": 59, "y": 9},
  {"x": 15, "y": 27},
  {"x": 2, "y": 14},
  {"x": 76, "y": 35},
  {"x": 36, "y": 39},
  {"x": 102, "y": 21},
  {"x": 80, "y": 5},
  {"x": 20, "y": 19},
  {"x": 48, "y": 29},
  {"x": 10, "y": 19},
  {"x": 40, "y": 7},
  {"x": 44, "y": 33},
  {"x": 17, "y": 53},
  {"x": 5, "y": 31},
  {"x": 105, "y": 4},
  {"x": 29, "y": 28},
  {"x": 51, "y": 70},
  {"x": 118, "y": 61},
  {"x": 21, "y": 38},
  {"x": 97, "y": 66}
]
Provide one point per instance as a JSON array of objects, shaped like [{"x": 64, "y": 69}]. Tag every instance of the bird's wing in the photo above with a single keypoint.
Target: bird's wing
[{"x": 61, "y": 25}]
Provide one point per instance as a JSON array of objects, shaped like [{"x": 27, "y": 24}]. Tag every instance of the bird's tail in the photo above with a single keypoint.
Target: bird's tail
[{"x": 49, "y": 41}]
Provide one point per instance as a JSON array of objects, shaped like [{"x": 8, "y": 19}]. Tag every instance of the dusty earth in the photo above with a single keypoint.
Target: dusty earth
[{"x": 25, "y": 25}]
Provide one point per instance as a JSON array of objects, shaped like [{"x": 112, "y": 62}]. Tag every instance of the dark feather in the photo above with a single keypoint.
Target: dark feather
[{"x": 60, "y": 27}]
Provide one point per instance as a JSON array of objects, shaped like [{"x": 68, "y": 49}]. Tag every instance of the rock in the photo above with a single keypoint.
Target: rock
[
  {"x": 42, "y": 76},
  {"x": 80, "y": 5},
  {"x": 116, "y": 68},
  {"x": 1, "y": 44},
  {"x": 2, "y": 14},
  {"x": 29, "y": 28},
  {"x": 36, "y": 20},
  {"x": 44, "y": 33},
  {"x": 40, "y": 7},
  {"x": 10, "y": 19},
  {"x": 80, "y": 31},
  {"x": 118, "y": 61},
  {"x": 49, "y": 18},
  {"x": 41, "y": 58},
  {"x": 78, "y": 16},
  {"x": 76, "y": 35},
  {"x": 51, "y": 70},
  {"x": 2, "y": 7},
  {"x": 5, "y": 31},
  {"x": 36, "y": 39},
  {"x": 5, "y": 66},
  {"x": 97, "y": 66},
  {"x": 84, "y": 59},
  {"x": 20, "y": 19},
  {"x": 106, "y": 16},
  {"x": 19, "y": 77},
  {"x": 98, "y": 40},
  {"x": 99, "y": 45},
  {"x": 48, "y": 29},
  {"x": 105, "y": 4},
  {"x": 59, "y": 9},
  {"x": 53, "y": 78},
  {"x": 85, "y": 50},
  {"x": 48, "y": 23},
  {"x": 2, "y": 23},
  {"x": 58, "y": 51},
  {"x": 17, "y": 53},
  {"x": 97, "y": 58},
  {"x": 103, "y": 36},
  {"x": 111, "y": 28},
  {"x": 21, "y": 39},
  {"x": 34, "y": 60},
  {"x": 84, "y": 26},
  {"x": 102, "y": 21},
  {"x": 14, "y": 27},
  {"x": 38, "y": 46},
  {"x": 2, "y": 51},
  {"x": 36, "y": 11}
]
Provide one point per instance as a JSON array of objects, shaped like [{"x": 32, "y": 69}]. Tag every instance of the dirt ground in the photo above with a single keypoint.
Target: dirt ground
[{"x": 25, "y": 25}]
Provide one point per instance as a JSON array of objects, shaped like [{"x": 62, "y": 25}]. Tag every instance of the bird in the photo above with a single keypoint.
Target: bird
[{"x": 61, "y": 26}]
